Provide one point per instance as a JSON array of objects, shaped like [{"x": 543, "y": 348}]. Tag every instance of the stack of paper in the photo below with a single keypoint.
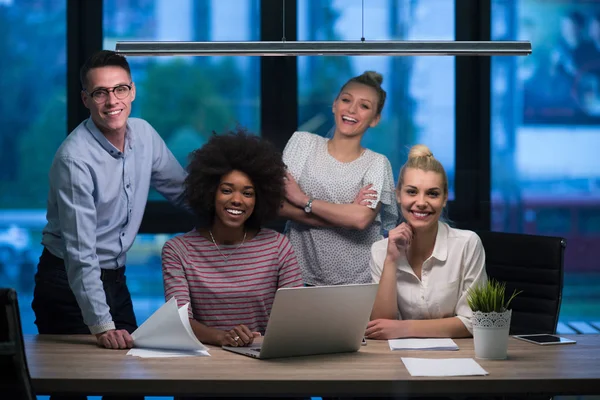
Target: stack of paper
[
  {"x": 167, "y": 333},
  {"x": 443, "y": 367},
  {"x": 422, "y": 344}
]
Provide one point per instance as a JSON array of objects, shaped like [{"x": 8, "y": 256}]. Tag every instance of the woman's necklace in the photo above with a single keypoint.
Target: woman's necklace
[{"x": 219, "y": 250}]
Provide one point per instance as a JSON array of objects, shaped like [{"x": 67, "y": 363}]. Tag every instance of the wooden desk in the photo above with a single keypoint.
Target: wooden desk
[{"x": 73, "y": 364}]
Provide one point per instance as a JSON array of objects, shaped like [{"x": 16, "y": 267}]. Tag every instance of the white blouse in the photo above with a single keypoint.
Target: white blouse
[{"x": 457, "y": 262}]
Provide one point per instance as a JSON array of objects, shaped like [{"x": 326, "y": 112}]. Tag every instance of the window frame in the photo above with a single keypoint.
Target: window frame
[{"x": 279, "y": 104}]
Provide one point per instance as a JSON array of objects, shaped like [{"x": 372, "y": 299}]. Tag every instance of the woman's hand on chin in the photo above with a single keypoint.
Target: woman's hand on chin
[
  {"x": 399, "y": 239},
  {"x": 384, "y": 329}
]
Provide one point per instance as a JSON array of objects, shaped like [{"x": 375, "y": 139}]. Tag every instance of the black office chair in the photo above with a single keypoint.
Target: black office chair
[
  {"x": 533, "y": 264},
  {"x": 15, "y": 382}
]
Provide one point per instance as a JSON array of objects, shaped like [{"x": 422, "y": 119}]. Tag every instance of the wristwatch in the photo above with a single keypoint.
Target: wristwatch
[{"x": 308, "y": 206}]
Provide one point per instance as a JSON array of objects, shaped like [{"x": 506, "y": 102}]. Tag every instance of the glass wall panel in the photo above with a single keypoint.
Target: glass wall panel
[
  {"x": 187, "y": 98},
  {"x": 33, "y": 121},
  {"x": 184, "y": 98},
  {"x": 420, "y": 90},
  {"x": 545, "y": 131}
]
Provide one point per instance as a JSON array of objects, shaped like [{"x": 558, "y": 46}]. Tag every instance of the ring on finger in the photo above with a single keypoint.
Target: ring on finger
[{"x": 236, "y": 338}]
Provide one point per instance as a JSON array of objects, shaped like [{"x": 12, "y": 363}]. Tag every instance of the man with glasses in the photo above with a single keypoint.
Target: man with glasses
[{"x": 99, "y": 183}]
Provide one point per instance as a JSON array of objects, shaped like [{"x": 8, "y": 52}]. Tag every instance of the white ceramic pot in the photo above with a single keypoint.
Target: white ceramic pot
[{"x": 490, "y": 334}]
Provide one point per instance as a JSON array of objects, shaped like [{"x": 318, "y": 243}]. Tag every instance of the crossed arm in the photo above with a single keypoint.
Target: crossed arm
[{"x": 357, "y": 215}]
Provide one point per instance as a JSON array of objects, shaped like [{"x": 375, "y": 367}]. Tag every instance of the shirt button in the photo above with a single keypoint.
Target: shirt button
[
  {"x": 127, "y": 186},
  {"x": 123, "y": 234}
]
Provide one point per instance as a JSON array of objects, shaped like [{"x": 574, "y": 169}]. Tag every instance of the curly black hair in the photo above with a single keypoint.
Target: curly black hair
[{"x": 242, "y": 151}]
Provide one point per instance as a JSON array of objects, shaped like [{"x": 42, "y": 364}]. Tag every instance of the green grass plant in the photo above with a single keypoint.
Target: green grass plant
[{"x": 489, "y": 296}]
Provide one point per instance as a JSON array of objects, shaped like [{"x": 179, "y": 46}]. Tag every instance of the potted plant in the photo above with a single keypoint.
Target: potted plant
[{"x": 491, "y": 319}]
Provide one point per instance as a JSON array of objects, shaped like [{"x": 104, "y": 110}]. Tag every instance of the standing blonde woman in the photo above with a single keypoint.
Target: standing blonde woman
[{"x": 339, "y": 195}]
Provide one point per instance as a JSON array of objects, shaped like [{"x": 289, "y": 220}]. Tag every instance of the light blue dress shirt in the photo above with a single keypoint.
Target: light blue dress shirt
[{"x": 96, "y": 202}]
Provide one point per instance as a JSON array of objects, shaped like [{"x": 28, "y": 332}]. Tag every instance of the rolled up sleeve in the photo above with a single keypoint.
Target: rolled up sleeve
[
  {"x": 174, "y": 279},
  {"x": 473, "y": 274},
  {"x": 289, "y": 274},
  {"x": 380, "y": 175}
]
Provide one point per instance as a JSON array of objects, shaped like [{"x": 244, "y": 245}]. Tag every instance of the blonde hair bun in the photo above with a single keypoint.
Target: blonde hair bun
[
  {"x": 373, "y": 80},
  {"x": 374, "y": 76},
  {"x": 419, "y": 150}
]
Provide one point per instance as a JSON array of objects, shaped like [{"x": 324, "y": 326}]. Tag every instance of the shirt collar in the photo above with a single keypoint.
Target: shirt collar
[
  {"x": 106, "y": 145},
  {"x": 440, "y": 249}
]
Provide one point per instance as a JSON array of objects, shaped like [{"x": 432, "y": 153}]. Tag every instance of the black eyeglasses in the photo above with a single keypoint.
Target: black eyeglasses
[{"x": 102, "y": 94}]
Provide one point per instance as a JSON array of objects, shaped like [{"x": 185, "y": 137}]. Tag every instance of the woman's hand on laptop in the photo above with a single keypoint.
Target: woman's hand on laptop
[
  {"x": 385, "y": 329},
  {"x": 239, "y": 336}
]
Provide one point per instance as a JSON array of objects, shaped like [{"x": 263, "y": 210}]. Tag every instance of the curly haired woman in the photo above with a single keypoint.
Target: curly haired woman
[{"x": 229, "y": 267}]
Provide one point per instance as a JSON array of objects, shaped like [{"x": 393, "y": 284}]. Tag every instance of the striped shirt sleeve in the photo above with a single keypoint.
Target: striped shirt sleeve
[
  {"x": 289, "y": 271},
  {"x": 174, "y": 278}
]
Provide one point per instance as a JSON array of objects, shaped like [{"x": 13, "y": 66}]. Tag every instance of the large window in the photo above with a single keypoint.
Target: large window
[
  {"x": 545, "y": 131},
  {"x": 33, "y": 121},
  {"x": 420, "y": 102},
  {"x": 187, "y": 98},
  {"x": 184, "y": 98}
]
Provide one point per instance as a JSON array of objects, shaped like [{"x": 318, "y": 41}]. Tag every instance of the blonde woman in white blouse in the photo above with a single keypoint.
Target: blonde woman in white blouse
[{"x": 425, "y": 267}]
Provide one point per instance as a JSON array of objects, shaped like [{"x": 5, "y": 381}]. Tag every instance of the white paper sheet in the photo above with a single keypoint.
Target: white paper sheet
[
  {"x": 422, "y": 344},
  {"x": 442, "y": 367},
  {"x": 167, "y": 329},
  {"x": 154, "y": 353}
]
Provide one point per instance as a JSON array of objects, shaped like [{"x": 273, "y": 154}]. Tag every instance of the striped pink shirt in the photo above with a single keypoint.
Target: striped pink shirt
[{"x": 225, "y": 293}]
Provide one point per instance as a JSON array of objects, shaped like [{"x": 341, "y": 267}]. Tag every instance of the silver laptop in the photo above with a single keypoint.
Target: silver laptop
[{"x": 315, "y": 320}]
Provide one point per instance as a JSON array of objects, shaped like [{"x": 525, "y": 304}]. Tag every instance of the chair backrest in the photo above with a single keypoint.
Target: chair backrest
[
  {"x": 15, "y": 382},
  {"x": 533, "y": 264}
]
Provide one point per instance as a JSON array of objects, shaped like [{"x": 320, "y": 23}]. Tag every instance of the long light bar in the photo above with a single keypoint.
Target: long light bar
[{"x": 330, "y": 48}]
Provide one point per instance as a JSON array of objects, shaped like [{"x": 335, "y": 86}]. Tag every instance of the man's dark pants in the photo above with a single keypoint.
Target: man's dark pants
[{"x": 57, "y": 312}]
